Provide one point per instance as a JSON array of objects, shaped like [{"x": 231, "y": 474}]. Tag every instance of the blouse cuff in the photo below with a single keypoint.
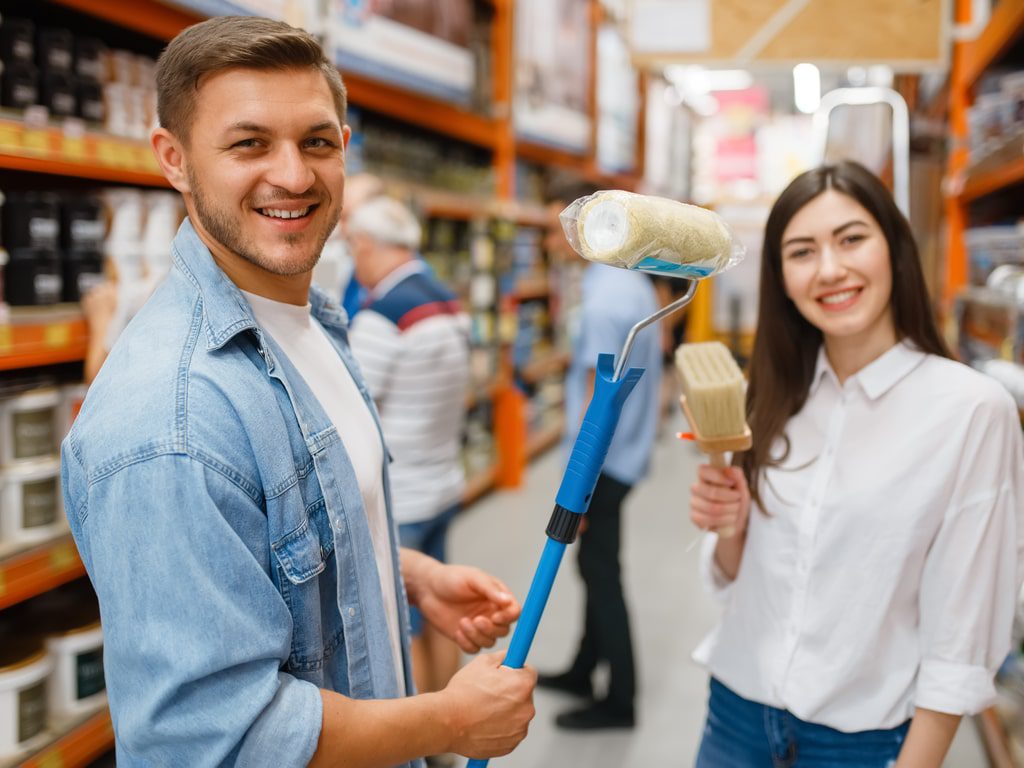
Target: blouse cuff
[
  {"x": 714, "y": 579},
  {"x": 953, "y": 688}
]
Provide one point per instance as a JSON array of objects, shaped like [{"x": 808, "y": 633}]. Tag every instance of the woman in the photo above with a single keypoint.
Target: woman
[{"x": 869, "y": 596}]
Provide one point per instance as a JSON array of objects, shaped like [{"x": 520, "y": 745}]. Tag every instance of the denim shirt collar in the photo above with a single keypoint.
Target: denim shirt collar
[{"x": 226, "y": 311}]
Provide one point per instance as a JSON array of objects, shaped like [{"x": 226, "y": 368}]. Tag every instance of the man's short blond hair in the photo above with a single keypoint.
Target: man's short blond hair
[{"x": 233, "y": 42}]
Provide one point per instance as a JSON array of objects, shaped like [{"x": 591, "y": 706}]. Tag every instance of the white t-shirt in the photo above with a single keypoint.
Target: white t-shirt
[
  {"x": 305, "y": 343},
  {"x": 885, "y": 573}
]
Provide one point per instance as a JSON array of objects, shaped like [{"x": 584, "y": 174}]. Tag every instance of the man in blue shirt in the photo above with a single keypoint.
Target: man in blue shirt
[
  {"x": 614, "y": 300},
  {"x": 226, "y": 481}
]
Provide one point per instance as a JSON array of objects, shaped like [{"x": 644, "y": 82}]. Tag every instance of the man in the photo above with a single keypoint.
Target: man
[
  {"x": 226, "y": 481},
  {"x": 412, "y": 343},
  {"x": 614, "y": 300}
]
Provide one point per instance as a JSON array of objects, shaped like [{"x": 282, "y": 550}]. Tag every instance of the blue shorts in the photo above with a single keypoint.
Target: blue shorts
[
  {"x": 744, "y": 734},
  {"x": 428, "y": 537}
]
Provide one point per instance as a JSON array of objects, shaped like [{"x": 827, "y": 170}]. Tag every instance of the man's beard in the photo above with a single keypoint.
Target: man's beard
[{"x": 228, "y": 233}]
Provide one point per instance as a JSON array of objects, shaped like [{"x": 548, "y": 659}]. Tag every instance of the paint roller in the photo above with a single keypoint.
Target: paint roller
[{"x": 630, "y": 231}]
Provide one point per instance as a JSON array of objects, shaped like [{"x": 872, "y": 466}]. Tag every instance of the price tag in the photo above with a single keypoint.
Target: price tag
[
  {"x": 73, "y": 148},
  {"x": 106, "y": 152},
  {"x": 10, "y": 137},
  {"x": 52, "y": 758},
  {"x": 62, "y": 557},
  {"x": 35, "y": 142},
  {"x": 125, "y": 155},
  {"x": 57, "y": 335}
]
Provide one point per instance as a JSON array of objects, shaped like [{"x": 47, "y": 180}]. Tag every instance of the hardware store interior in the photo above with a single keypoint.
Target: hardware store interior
[{"x": 474, "y": 125}]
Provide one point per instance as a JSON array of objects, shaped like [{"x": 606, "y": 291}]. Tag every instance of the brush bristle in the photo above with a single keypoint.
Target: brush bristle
[{"x": 713, "y": 385}]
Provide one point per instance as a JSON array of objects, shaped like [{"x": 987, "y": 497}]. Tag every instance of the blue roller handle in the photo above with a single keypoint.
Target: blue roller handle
[{"x": 573, "y": 500}]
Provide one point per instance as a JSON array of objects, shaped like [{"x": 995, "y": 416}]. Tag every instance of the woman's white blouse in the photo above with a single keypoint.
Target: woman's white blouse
[{"x": 885, "y": 573}]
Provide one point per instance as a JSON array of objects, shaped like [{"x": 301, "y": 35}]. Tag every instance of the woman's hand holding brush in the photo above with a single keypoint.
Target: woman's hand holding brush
[{"x": 720, "y": 500}]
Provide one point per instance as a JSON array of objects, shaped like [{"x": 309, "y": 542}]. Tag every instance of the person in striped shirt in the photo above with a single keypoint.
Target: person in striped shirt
[{"x": 411, "y": 340}]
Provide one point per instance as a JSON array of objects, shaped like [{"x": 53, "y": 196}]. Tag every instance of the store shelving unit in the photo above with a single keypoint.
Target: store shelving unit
[
  {"x": 993, "y": 176},
  {"x": 970, "y": 61},
  {"x": 42, "y": 336},
  {"x": 31, "y": 572},
  {"x": 70, "y": 150},
  {"x": 79, "y": 745}
]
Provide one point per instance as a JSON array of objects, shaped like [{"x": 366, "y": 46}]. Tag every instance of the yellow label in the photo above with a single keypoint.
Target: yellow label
[
  {"x": 125, "y": 155},
  {"x": 63, "y": 557},
  {"x": 10, "y": 137},
  {"x": 35, "y": 142},
  {"x": 106, "y": 152},
  {"x": 6, "y": 338},
  {"x": 57, "y": 335},
  {"x": 52, "y": 758},
  {"x": 73, "y": 148}
]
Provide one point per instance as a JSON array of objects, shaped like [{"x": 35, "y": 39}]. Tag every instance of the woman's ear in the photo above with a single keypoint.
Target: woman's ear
[{"x": 171, "y": 157}]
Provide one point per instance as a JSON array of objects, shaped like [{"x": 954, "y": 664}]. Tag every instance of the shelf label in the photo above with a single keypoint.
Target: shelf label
[
  {"x": 10, "y": 137},
  {"x": 73, "y": 148},
  {"x": 35, "y": 142},
  {"x": 63, "y": 557},
  {"x": 57, "y": 335},
  {"x": 6, "y": 338},
  {"x": 106, "y": 152},
  {"x": 52, "y": 758}
]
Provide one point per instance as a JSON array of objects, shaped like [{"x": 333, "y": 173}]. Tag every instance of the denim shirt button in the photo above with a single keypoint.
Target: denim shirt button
[
  {"x": 351, "y": 612},
  {"x": 339, "y": 526}
]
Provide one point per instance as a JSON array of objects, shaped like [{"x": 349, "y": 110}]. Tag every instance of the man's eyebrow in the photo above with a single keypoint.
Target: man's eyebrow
[
  {"x": 327, "y": 125},
  {"x": 248, "y": 127}
]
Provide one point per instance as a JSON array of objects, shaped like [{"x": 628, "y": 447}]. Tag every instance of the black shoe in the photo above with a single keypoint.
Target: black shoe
[
  {"x": 567, "y": 683},
  {"x": 593, "y": 717}
]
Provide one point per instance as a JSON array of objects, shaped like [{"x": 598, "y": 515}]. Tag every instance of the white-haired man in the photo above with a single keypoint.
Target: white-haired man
[{"x": 411, "y": 340}]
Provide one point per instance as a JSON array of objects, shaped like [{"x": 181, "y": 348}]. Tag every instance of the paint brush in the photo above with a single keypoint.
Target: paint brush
[{"x": 714, "y": 401}]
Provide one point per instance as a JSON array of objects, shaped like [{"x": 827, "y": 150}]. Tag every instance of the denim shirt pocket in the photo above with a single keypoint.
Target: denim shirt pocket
[
  {"x": 307, "y": 582},
  {"x": 301, "y": 553}
]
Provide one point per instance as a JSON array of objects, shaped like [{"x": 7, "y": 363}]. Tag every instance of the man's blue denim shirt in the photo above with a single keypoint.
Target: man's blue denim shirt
[{"x": 220, "y": 521}]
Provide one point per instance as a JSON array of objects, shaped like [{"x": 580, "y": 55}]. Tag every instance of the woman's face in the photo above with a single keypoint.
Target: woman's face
[{"x": 836, "y": 270}]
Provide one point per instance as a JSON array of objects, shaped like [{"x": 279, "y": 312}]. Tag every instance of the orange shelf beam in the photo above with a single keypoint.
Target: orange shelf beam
[
  {"x": 90, "y": 155},
  {"x": 27, "y": 574},
  {"x": 985, "y": 183},
  {"x": 422, "y": 111},
  {"x": 150, "y": 18},
  {"x": 34, "y": 337},
  {"x": 79, "y": 747},
  {"x": 1004, "y": 27},
  {"x": 81, "y": 170}
]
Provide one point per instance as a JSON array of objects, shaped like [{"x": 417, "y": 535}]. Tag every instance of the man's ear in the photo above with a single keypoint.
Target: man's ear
[{"x": 171, "y": 156}]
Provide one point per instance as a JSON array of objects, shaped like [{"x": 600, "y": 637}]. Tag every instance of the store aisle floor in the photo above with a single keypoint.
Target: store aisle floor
[{"x": 504, "y": 533}]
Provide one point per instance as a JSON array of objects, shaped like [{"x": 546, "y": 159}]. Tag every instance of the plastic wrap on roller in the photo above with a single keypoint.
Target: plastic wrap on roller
[{"x": 650, "y": 234}]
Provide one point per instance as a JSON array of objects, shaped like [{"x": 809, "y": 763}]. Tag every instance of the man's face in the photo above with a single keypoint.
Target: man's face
[{"x": 265, "y": 166}]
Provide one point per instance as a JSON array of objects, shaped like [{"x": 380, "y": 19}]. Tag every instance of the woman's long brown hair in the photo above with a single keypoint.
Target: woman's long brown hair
[{"x": 786, "y": 345}]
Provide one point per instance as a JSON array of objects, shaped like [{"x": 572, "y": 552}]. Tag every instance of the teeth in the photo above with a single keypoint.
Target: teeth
[
  {"x": 276, "y": 214},
  {"x": 839, "y": 298}
]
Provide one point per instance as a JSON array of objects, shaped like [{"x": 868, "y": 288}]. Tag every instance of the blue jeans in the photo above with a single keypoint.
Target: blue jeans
[
  {"x": 743, "y": 734},
  {"x": 428, "y": 537}
]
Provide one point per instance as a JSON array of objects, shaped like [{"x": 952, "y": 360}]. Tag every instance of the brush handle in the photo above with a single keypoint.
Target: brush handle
[{"x": 718, "y": 462}]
